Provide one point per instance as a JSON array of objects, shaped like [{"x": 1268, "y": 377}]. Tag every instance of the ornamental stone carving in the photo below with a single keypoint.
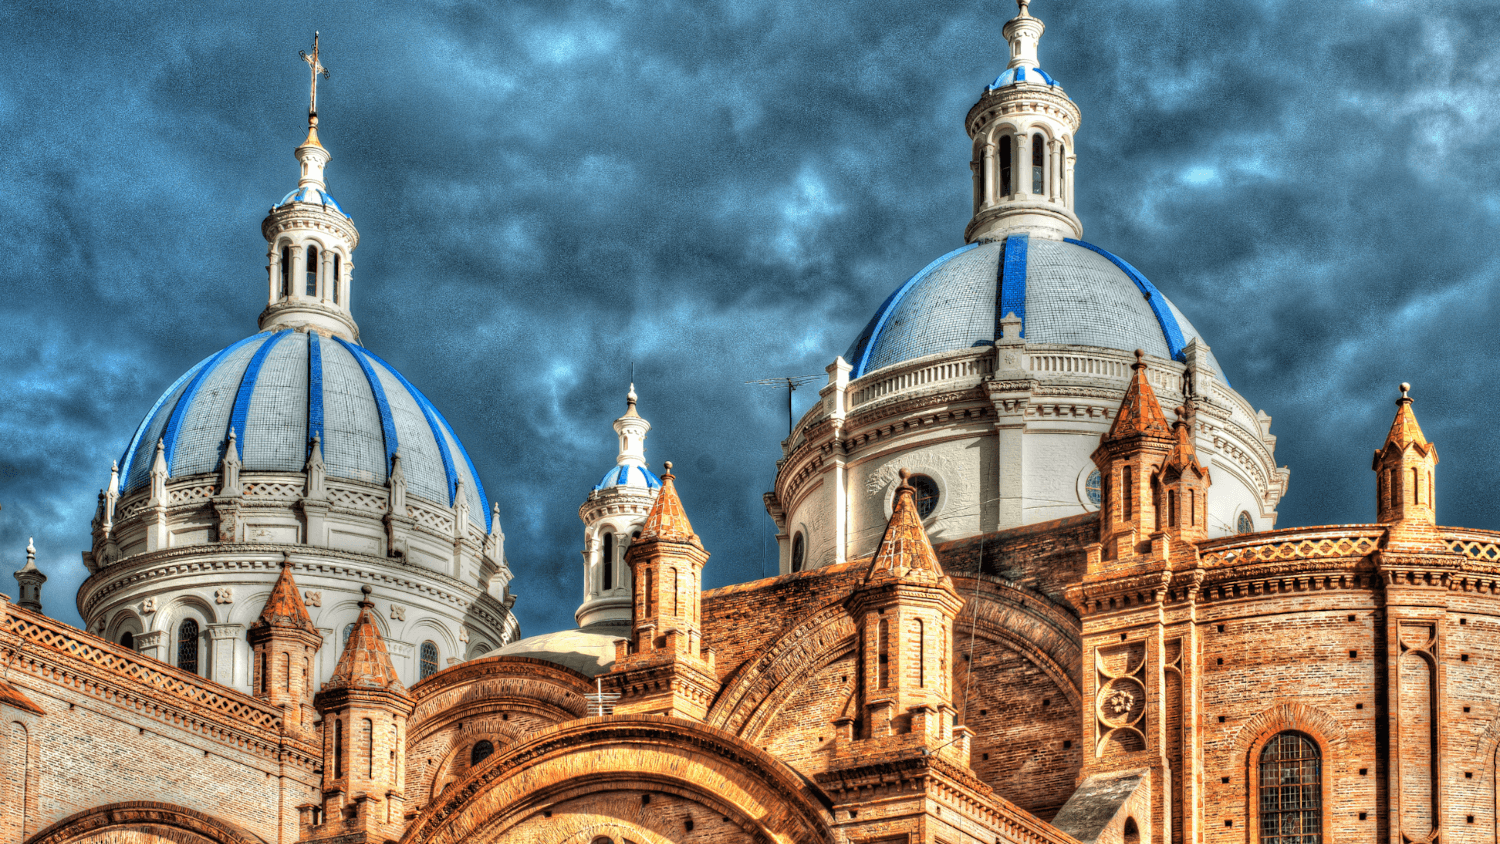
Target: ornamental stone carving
[{"x": 224, "y": 595}]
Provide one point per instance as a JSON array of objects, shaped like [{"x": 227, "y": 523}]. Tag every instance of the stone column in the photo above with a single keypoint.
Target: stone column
[
  {"x": 221, "y": 642},
  {"x": 273, "y": 269},
  {"x": 153, "y": 644},
  {"x": 991, "y": 162},
  {"x": 1054, "y": 170},
  {"x": 1010, "y": 392},
  {"x": 1022, "y": 174},
  {"x": 325, "y": 275},
  {"x": 297, "y": 284}
]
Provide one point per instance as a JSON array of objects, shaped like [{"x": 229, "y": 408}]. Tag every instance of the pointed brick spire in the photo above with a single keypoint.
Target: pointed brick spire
[
  {"x": 284, "y": 608},
  {"x": 1404, "y": 428},
  {"x": 905, "y": 551},
  {"x": 1183, "y": 456},
  {"x": 365, "y": 663},
  {"x": 1140, "y": 414},
  {"x": 667, "y": 520}
]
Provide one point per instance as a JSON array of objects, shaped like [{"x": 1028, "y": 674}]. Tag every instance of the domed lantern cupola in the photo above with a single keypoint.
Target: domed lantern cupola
[
  {"x": 1022, "y": 129},
  {"x": 310, "y": 242},
  {"x": 612, "y": 517}
]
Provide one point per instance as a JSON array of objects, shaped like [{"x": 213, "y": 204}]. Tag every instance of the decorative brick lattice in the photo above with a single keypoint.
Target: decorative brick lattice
[
  {"x": 162, "y": 679},
  {"x": 1305, "y": 549},
  {"x": 1488, "y": 552}
]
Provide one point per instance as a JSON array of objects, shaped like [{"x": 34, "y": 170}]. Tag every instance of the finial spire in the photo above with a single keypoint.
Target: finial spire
[
  {"x": 317, "y": 68},
  {"x": 1025, "y": 12}
]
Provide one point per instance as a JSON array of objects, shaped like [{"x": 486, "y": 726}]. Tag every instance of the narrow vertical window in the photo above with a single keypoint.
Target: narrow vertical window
[
  {"x": 369, "y": 748},
  {"x": 920, "y": 632},
  {"x": 1005, "y": 156},
  {"x": 607, "y": 563},
  {"x": 187, "y": 646},
  {"x": 286, "y": 271},
  {"x": 1172, "y": 509},
  {"x": 650, "y": 595},
  {"x": 883, "y": 654},
  {"x": 305, "y": 688},
  {"x": 429, "y": 659},
  {"x": 286, "y": 673},
  {"x": 265, "y": 672},
  {"x": 312, "y": 270},
  {"x": 1416, "y": 486},
  {"x": 338, "y": 276},
  {"x": 799, "y": 552},
  {"x": 1156, "y": 500},
  {"x": 676, "y": 593},
  {"x": 338, "y": 749},
  {"x": 1127, "y": 495},
  {"x": 1291, "y": 791},
  {"x": 1038, "y": 164}
]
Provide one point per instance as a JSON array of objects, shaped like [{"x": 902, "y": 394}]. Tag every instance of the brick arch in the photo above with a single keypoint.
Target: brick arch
[
  {"x": 1297, "y": 717},
  {"x": 162, "y": 820},
  {"x": 1314, "y": 723},
  {"x": 611, "y": 760},
  {"x": 1027, "y": 623},
  {"x": 752, "y": 694}
]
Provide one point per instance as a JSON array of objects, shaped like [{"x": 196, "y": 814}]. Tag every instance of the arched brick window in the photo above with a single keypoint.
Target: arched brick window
[
  {"x": 187, "y": 646},
  {"x": 482, "y": 751},
  {"x": 1291, "y": 791},
  {"x": 429, "y": 659},
  {"x": 127, "y": 640}
]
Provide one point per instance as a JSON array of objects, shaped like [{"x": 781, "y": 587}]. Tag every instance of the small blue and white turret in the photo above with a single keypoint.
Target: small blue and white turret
[{"x": 612, "y": 516}]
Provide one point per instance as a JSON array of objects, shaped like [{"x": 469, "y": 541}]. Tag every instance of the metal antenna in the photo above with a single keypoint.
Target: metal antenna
[{"x": 791, "y": 383}]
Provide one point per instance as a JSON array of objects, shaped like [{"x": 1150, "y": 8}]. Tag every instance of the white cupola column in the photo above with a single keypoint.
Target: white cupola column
[
  {"x": 308, "y": 218},
  {"x": 1024, "y": 125},
  {"x": 612, "y": 515}
]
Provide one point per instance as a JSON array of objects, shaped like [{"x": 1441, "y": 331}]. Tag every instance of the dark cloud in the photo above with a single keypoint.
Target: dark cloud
[{"x": 549, "y": 191}]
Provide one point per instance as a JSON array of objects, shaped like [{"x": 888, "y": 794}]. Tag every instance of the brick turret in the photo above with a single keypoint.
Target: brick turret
[
  {"x": 1404, "y": 470},
  {"x": 896, "y": 745},
  {"x": 905, "y": 608},
  {"x": 364, "y": 709},
  {"x": 663, "y": 669},
  {"x": 1130, "y": 458},
  {"x": 284, "y": 643},
  {"x": 1185, "y": 485}
]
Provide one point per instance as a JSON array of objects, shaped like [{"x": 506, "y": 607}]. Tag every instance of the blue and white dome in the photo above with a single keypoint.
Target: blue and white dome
[
  {"x": 630, "y": 474},
  {"x": 310, "y": 193},
  {"x": 1033, "y": 75},
  {"x": 1065, "y": 292},
  {"x": 279, "y": 389}
]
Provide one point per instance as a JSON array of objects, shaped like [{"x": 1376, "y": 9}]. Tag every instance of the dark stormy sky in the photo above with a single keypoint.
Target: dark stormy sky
[{"x": 720, "y": 192}]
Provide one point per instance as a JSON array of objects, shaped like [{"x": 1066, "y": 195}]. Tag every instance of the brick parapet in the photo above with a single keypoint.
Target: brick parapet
[{"x": 58, "y": 655}]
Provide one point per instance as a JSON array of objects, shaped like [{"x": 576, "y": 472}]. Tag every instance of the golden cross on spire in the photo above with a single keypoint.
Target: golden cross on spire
[{"x": 317, "y": 68}]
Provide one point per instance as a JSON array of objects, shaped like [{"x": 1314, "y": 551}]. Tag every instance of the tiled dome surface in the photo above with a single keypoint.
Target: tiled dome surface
[
  {"x": 1066, "y": 292},
  {"x": 279, "y": 389}
]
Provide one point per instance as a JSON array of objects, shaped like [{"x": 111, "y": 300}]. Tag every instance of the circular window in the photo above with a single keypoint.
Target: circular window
[
  {"x": 1244, "y": 524},
  {"x": 1093, "y": 488},
  {"x": 926, "y": 494},
  {"x": 799, "y": 552}
]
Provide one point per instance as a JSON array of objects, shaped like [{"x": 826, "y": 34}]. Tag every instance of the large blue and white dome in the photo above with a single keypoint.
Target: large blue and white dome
[
  {"x": 1066, "y": 292},
  {"x": 277, "y": 390}
]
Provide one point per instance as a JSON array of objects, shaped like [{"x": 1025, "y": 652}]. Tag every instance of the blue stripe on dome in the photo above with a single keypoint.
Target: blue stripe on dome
[
  {"x": 1048, "y": 79},
  {"x": 129, "y": 457},
  {"x": 247, "y": 388},
  {"x": 430, "y": 413},
  {"x": 179, "y": 412},
  {"x": 1012, "y": 286},
  {"x": 1012, "y": 75},
  {"x": 1169, "y": 327},
  {"x": 890, "y": 306},
  {"x": 314, "y": 389},
  {"x": 387, "y": 422}
]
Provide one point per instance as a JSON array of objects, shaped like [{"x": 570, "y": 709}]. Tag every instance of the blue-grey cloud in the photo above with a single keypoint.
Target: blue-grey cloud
[{"x": 719, "y": 192}]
